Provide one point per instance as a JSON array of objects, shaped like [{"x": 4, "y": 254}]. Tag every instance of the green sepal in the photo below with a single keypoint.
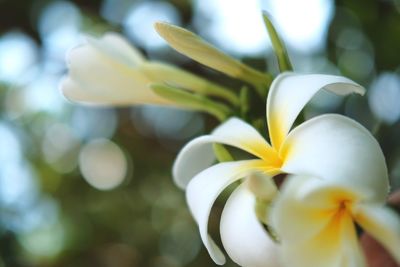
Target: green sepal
[
  {"x": 262, "y": 209},
  {"x": 278, "y": 45},
  {"x": 221, "y": 153}
]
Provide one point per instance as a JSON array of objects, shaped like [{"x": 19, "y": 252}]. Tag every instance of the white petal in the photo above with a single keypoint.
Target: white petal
[
  {"x": 198, "y": 154},
  {"x": 334, "y": 147},
  {"x": 101, "y": 72},
  {"x": 203, "y": 190},
  {"x": 118, "y": 47},
  {"x": 353, "y": 255},
  {"x": 244, "y": 238},
  {"x": 73, "y": 91},
  {"x": 289, "y": 94},
  {"x": 195, "y": 156},
  {"x": 381, "y": 223}
]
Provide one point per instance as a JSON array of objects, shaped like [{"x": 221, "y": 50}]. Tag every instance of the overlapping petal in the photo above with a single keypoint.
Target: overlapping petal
[
  {"x": 244, "y": 238},
  {"x": 205, "y": 187},
  {"x": 300, "y": 222},
  {"x": 290, "y": 92},
  {"x": 335, "y": 246},
  {"x": 198, "y": 154},
  {"x": 325, "y": 214},
  {"x": 117, "y": 47},
  {"x": 314, "y": 229},
  {"x": 72, "y": 90},
  {"x": 334, "y": 147},
  {"x": 381, "y": 223},
  {"x": 107, "y": 73}
]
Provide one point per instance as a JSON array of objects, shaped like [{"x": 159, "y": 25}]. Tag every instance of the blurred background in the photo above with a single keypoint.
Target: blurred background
[{"x": 83, "y": 186}]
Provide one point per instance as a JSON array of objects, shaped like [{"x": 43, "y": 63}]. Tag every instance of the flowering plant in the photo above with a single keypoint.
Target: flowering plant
[{"x": 335, "y": 175}]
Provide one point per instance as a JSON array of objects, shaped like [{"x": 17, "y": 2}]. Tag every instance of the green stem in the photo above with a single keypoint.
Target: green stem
[
  {"x": 217, "y": 90},
  {"x": 260, "y": 81},
  {"x": 165, "y": 73},
  {"x": 192, "y": 101}
]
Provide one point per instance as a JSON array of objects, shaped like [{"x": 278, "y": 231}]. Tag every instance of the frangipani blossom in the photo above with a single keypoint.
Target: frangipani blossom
[
  {"x": 315, "y": 220},
  {"x": 324, "y": 146},
  {"x": 109, "y": 71}
]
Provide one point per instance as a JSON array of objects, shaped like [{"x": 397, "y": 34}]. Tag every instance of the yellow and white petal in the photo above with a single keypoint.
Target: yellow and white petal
[
  {"x": 243, "y": 236},
  {"x": 381, "y": 223},
  {"x": 198, "y": 153},
  {"x": 116, "y": 46},
  {"x": 311, "y": 202},
  {"x": 100, "y": 73},
  {"x": 317, "y": 234},
  {"x": 205, "y": 187},
  {"x": 326, "y": 194},
  {"x": 352, "y": 253},
  {"x": 335, "y": 246},
  {"x": 235, "y": 132},
  {"x": 336, "y": 148},
  {"x": 290, "y": 92},
  {"x": 294, "y": 220}
]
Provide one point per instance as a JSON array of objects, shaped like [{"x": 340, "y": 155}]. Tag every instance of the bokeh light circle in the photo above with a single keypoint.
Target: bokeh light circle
[
  {"x": 139, "y": 23},
  {"x": 103, "y": 164},
  {"x": 384, "y": 97}
]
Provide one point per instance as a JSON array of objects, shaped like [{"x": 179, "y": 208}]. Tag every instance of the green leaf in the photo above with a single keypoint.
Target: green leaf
[
  {"x": 278, "y": 45},
  {"x": 192, "y": 101},
  {"x": 222, "y": 153},
  {"x": 244, "y": 101}
]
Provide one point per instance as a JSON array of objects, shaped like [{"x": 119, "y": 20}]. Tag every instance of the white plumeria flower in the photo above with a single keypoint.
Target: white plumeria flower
[
  {"x": 109, "y": 71},
  {"x": 315, "y": 220},
  {"x": 325, "y": 146}
]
